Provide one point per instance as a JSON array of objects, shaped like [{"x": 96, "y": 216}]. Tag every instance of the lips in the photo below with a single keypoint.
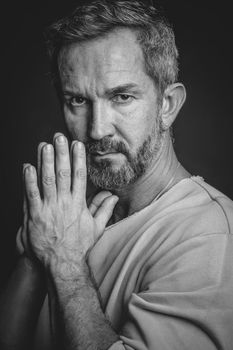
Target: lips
[{"x": 103, "y": 153}]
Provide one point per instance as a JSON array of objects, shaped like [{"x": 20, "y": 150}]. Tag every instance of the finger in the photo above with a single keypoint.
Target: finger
[
  {"x": 57, "y": 134},
  {"x": 22, "y": 231},
  {"x": 25, "y": 209},
  {"x": 63, "y": 175},
  {"x": 104, "y": 213},
  {"x": 25, "y": 205},
  {"x": 97, "y": 201},
  {"x": 39, "y": 158},
  {"x": 71, "y": 152},
  {"x": 79, "y": 176},
  {"x": 24, "y": 240},
  {"x": 22, "y": 245},
  {"x": 32, "y": 190},
  {"x": 19, "y": 244},
  {"x": 25, "y": 212},
  {"x": 48, "y": 179}
]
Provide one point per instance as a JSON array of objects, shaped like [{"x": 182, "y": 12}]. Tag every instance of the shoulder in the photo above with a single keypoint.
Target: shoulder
[
  {"x": 192, "y": 238},
  {"x": 217, "y": 203},
  {"x": 193, "y": 207}
]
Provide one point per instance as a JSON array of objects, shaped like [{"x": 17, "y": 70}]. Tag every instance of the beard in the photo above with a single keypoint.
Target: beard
[{"x": 102, "y": 173}]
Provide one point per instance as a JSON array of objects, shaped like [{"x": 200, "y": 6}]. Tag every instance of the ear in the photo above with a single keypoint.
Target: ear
[{"x": 173, "y": 98}]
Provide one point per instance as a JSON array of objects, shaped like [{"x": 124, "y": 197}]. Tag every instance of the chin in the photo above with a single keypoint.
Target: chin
[{"x": 109, "y": 176}]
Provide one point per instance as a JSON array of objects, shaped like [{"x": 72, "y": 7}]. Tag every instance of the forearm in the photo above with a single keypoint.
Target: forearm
[
  {"x": 20, "y": 303},
  {"x": 83, "y": 324}
]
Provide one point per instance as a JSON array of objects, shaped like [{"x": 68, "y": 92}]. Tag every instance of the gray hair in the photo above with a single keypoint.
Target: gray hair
[{"x": 99, "y": 17}]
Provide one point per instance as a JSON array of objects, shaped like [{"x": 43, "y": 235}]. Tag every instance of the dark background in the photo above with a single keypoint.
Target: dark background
[{"x": 30, "y": 112}]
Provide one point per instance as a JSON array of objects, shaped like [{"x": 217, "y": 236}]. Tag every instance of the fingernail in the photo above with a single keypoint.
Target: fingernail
[
  {"x": 80, "y": 145},
  {"x": 29, "y": 169},
  {"x": 25, "y": 165},
  {"x": 73, "y": 143},
  {"x": 48, "y": 147},
  {"x": 61, "y": 139},
  {"x": 116, "y": 199}
]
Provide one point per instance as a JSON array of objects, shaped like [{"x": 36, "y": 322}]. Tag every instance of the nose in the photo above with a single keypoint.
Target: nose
[{"x": 101, "y": 123}]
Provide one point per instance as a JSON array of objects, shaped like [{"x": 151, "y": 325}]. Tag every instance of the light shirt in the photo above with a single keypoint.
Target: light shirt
[{"x": 165, "y": 273}]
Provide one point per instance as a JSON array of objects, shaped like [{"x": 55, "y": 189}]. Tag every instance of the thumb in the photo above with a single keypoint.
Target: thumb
[
  {"x": 97, "y": 201},
  {"x": 104, "y": 213}
]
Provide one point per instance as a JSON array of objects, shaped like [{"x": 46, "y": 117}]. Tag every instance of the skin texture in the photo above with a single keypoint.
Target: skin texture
[
  {"x": 98, "y": 105},
  {"x": 61, "y": 231},
  {"x": 89, "y": 71},
  {"x": 106, "y": 93}
]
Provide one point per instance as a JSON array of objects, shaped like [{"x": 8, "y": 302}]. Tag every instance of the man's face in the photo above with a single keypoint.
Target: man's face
[{"x": 111, "y": 105}]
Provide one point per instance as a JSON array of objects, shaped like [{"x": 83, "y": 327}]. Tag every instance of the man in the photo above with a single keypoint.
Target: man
[{"x": 141, "y": 257}]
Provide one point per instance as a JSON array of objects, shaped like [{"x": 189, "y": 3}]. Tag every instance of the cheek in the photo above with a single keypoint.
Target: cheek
[
  {"x": 137, "y": 124},
  {"x": 77, "y": 126}
]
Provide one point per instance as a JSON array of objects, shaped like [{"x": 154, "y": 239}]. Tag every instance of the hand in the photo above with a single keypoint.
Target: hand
[
  {"x": 22, "y": 244},
  {"x": 61, "y": 229}
]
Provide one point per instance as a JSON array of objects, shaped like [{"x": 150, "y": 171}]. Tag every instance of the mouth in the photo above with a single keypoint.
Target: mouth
[{"x": 102, "y": 155}]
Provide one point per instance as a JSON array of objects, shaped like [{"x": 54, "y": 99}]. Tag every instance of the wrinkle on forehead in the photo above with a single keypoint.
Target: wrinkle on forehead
[{"x": 104, "y": 58}]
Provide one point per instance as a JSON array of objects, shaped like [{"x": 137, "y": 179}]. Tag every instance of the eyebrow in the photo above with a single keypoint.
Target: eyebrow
[
  {"x": 122, "y": 88},
  {"x": 110, "y": 92}
]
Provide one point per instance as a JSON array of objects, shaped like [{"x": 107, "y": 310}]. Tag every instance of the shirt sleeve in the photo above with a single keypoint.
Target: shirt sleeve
[{"x": 186, "y": 299}]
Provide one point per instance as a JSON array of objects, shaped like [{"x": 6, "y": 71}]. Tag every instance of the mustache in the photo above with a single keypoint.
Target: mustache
[{"x": 106, "y": 145}]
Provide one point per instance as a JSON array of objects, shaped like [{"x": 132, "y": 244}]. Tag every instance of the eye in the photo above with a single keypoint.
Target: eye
[
  {"x": 123, "y": 98},
  {"x": 77, "y": 101}
]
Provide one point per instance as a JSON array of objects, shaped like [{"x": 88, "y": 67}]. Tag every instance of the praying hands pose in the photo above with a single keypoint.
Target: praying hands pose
[{"x": 60, "y": 231}]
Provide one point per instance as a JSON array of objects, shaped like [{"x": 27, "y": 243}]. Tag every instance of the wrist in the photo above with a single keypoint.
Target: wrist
[
  {"x": 68, "y": 278},
  {"x": 66, "y": 271}
]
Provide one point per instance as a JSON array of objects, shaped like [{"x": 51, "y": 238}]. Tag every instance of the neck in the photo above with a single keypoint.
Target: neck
[{"x": 164, "y": 172}]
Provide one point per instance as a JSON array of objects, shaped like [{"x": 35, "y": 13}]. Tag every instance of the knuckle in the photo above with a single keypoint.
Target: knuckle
[
  {"x": 64, "y": 174},
  {"x": 80, "y": 173},
  {"x": 48, "y": 180},
  {"x": 33, "y": 194}
]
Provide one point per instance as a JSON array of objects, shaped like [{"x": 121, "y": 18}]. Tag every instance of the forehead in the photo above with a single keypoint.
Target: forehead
[{"x": 115, "y": 55}]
